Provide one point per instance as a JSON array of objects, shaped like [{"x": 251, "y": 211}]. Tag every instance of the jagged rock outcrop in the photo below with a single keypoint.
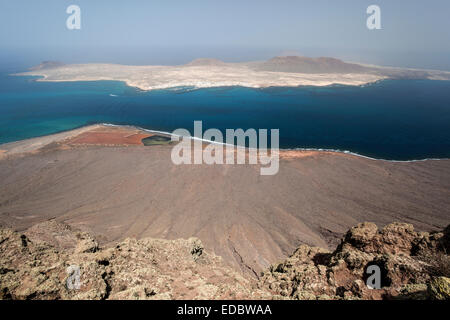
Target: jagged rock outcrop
[
  {"x": 439, "y": 288},
  {"x": 39, "y": 263},
  {"x": 408, "y": 261},
  {"x": 47, "y": 260}
]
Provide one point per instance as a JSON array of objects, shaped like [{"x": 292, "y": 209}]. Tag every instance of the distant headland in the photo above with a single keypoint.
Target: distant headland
[{"x": 281, "y": 71}]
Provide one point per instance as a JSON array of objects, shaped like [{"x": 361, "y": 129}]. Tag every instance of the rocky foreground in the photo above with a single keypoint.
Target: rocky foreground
[
  {"x": 40, "y": 262},
  {"x": 413, "y": 265}
]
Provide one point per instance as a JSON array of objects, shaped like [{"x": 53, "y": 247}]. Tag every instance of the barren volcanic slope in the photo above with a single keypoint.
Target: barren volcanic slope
[{"x": 127, "y": 189}]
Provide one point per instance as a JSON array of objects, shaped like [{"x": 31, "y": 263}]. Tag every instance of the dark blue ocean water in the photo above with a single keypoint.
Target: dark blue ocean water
[{"x": 392, "y": 119}]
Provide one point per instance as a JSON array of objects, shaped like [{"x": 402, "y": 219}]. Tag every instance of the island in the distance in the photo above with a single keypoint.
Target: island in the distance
[{"x": 282, "y": 71}]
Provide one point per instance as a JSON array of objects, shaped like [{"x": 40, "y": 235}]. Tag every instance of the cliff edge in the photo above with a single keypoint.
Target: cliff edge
[
  {"x": 55, "y": 261},
  {"x": 412, "y": 265}
]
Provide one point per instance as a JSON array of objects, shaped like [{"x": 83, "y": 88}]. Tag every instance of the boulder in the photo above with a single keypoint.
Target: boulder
[{"x": 439, "y": 288}]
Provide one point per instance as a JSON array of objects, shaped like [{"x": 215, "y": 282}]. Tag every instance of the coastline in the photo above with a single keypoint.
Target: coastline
[
  {"x": 286, "y": 71},
  {"x": 148, "y": 78},
  {"x": 196, "y": 86},
  {"x": 35, "y": 143},
  {"x": 205, "y": 85}
]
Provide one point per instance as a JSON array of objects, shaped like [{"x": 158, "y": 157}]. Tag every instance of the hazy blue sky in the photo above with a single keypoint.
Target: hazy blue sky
[{"x": 414, "y": 33}]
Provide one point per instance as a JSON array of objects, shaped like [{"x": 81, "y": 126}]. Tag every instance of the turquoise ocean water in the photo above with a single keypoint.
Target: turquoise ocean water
[{"x": 391, "y": 119}]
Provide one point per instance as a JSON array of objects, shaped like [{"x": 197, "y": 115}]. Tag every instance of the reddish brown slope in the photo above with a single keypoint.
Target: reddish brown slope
[{"x": 248, "y": 219}]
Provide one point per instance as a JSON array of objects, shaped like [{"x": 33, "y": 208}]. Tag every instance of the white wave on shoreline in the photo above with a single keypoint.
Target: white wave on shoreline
[{"x": 287, "y": 149}]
